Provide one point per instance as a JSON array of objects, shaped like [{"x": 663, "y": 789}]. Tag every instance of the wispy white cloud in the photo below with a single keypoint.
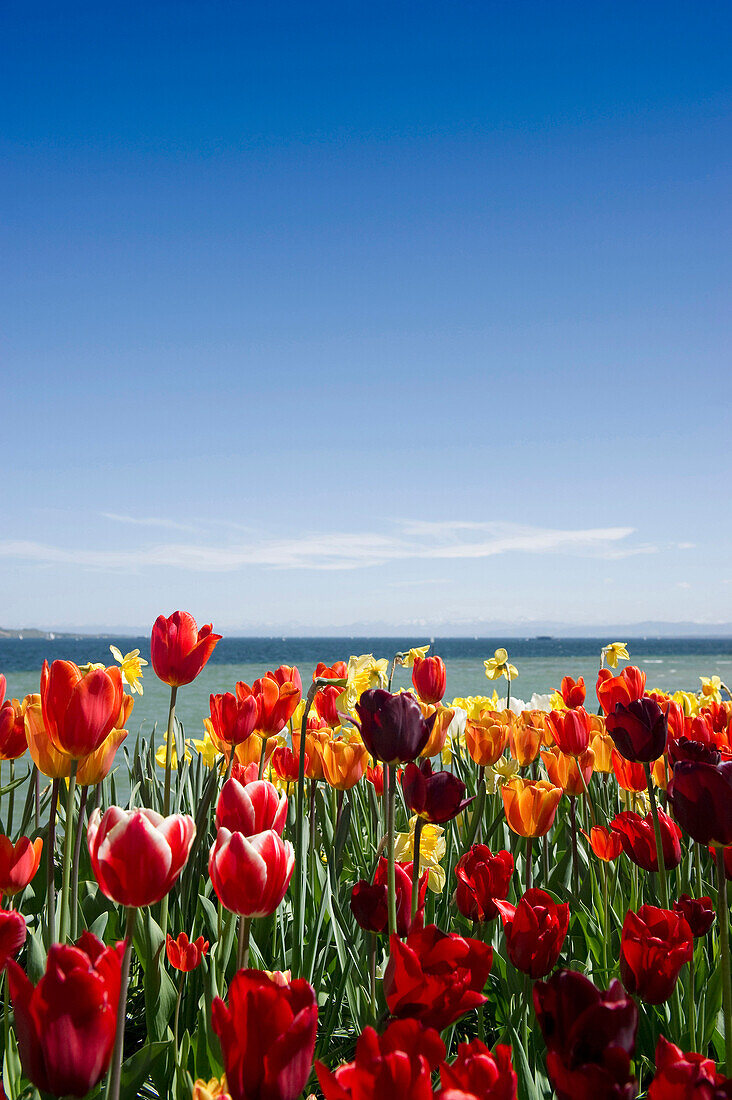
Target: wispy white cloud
[
  {"x": 342, "y": 550},
  {"x": 147, "y": 521}
]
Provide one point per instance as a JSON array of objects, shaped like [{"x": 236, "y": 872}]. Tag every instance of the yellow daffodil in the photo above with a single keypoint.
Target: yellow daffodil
[
  {"x": 474, "y": 705},
  {"x": 207, "y": 749},
  {"x": 363, "y": 672},
  {"x": 503, "y": 771},
  {"x": 688, "y": 702},
  {"x": 498, "y": 666},
  {"x": 711, "y": 688},
  {"x": 611, "y": 654},
  {"x": 91, "y": 666},
  {"x": 432, "y": 849},
  {"x": 160, "y": 756},
  {"x": 556, "y": 701},
  {"x": 637, "y": 801},
  {"x": 408, "y": 659},
  {"x": 454, "y": 746},
  {"x": 130, "y": 667}
]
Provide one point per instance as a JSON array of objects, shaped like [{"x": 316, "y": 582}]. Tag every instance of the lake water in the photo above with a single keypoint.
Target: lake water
[{"x": 670, "y": 663}]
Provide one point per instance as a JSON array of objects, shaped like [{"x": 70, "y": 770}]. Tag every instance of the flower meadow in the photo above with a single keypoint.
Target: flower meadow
[{"x": 347, "y": 892}]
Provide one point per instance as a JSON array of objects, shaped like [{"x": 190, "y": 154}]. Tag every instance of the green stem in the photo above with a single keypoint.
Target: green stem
[
  {"x": 262, "y": 755},
  {"x": 575, "y": 853},
  {"x": 415, "y": 864},
  {"x": 300, "y": 882},
  {"x": 529, "y": 849},
  {"x": 657, "y": 831},
  {"x": 75, "y": 865},
  {"x": 166, "y": 792},
  {"x": 372, "y": 975},
  {"x": 723, "y": 917},
  {"x": 115, "y": 1072},
  {"x": 605, "y": 926},
  {"x": 68, "y": 834},
  {"x": 242, "y": 953},
  {"x": 11, "y": 804},
  {"x": 391, "y": 876},
  {"x": 51, "y": 866},
  {"x": 177, "y": 1015}
]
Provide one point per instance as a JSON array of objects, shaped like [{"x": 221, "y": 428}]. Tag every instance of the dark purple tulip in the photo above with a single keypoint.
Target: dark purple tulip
[
  {"x": 640, "y": 730},
  {"x": 437, "y": 796},
  {"x": 392, "y": 726},
  {"x": 686, "y": 749},
  {"x": 698, "y": 913},
  {"x": 590, "y": 1037},
  {"x": 701, "y": 796}
]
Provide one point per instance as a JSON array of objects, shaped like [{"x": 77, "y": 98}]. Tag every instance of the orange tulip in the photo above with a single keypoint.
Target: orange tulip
[
  {"x": 12, "y": 730},
  {"x": 524, "y": 737},
  {"x": 18, "y": 863},
  {"x": 530, "y": 805},
  {"x": 606, "y": 844},
  {"x": 315, "y": 742},
  {"x": 486, "y": 738},
  {"x": 564, "y": 770},
  {"x": 344, "y": 762},
  {"x": 47, "y": 758},
  {"x": 250, "y": 751},
  {"x": 438, "y": 736},
  {"x": 602, "y": 745},
  {"x": 630, "y": 775},
  {"x": 95, "y": 767}
]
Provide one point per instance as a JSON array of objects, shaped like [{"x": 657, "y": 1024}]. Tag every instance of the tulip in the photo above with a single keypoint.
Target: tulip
[
  {"x": 486, "y": 738},
  {"x": 250, "y": 874},
  {"x": 267, "y": 1035},
  {"x": 315, "y": 742},
  {"x": 637, "y": 836},
  {"x": 701, "y": 796},
  {"x": 654, "y": 945},
  {"x": 571, "y": 730},
  {"x": 478, "y": 1072},
  {"x": 369, "y": 902},
  {"x": 79, "y": 711},
  {"x": 44, "y": 754},
  {"x": 601, "y": 744},
  {"x": 18, "y": 863},
  {"x": 344, "y": 763},
  {"x": 326, "y": 705},
  {"x": 3, "y": 688},
  {"x": 233, "y": 719},
  {"x": 530, "y": 805},
  {"x": 590, "y": 1037},
  {"x": 213, "y": 1089},
  {"x": 95, "y": 767},
  {"x": 65, "y": 1026},
  {"x": 525, "y": 736},
  {"x": 337, "y": 671},
  {"x": 13, "y": 741},
  {"x": 429, "y": 678},
  {"x": 698, "y": 913},
  {"x": 606, "y": 844},
  {"x": 435, "y": 796},
  {"x": 573, "y": 691},
  {"x": 435, "y": 977},
  {"x": 683, "y": 748},
  {"x": 251, "y": 808},
  {"x": 443, "y": 720},
  {"x": 639, "y": 730},
  {"x": 179, "y": 650},
  {"x": 681, "y": 1076},
  {"x": 535, "y": 931},
  {"x": 286, "y": 764},
  {"x": 375, "y": 777},
  {"x": 571, "y": 773},
  {"x": 276, "y": 695},
  {"x": 137, "y": 855},
  {"x": 630, "y": 776},
  {"x": 626, "y": 688},
  {"x": 12, "y": 934},
  {"x": 392, "y": 726},
  {"x": 398, "y": 1063},
  {"x": 184, "y": 954},
  {"x": 481, "y": 878}
]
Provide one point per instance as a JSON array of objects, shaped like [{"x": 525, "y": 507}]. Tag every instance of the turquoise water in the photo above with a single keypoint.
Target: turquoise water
[{"x": 670, "y": 663}]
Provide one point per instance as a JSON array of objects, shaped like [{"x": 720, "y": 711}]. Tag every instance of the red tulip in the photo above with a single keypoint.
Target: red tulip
[
  {"x": 276, "y": 698},
  {"x": 605, "y": 844},
  {"x": 639, "y": 731},
  {"x": 267, "y": 1035},
  {"x": 535, "y": 931},
  {"x": 429, "y": 678},
  {"x": 481, "y": 878},
  {"x": 398, "y": 1063},
  {"x": 681, "y": 1076},
  {"x": 185, "y": 954},
  {"x": 286, "y": 764},
  {"x": 12, "y": 934},
  {"x": 437, "y": 796},
  {"x": 590, "y": 1037},
  {"x": 375, "y": 776},
  {"x": 638, "y": 838},
  {"x": 571, "y": 730},
  {"x": 18, "y": 863},
  {"x": 13, "y": 741},
  {"x": 250, "y": 874},
  {"x": 326, "y": 705},
  {"x": 251, "y": 808},
  {"x": 630, "y": 775},
  {"x": 137, "y": 855},
  {"x": 3, "y": 688},
  {"x": 79, "y": 711},
  {"x": 369, "y": 900},
  {"x": 178, "y": 649},
  {"x": 654, "y": 945},
  {"x": 478, "y": 1072},
  {"x": 65, "y": 1026},
  {"x": 627, "y": 687},
  {"x": 698, "y": 912},
  {"x": 573, "y": 691},
  {"x": 392, "y": 726},
  {"x": 233, "y": 719},
  {"x": 435, "y": 977},
  {"x": 337, "y": 671}
]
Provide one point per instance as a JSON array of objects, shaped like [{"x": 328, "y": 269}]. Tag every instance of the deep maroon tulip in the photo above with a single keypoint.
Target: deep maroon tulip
[
  {"x": 640, "y": 730},
  {"x": 435, "y": 977},
  {"x": 638, "y": 837},
  {"x": 654, "y": 945},
  {"x": 481, "y": 878},
  {"x": 392, "y": 727},
  {"x": 479, "y": 1072},
  {"x": 436, "y": 796},
  {"x": 267, "y": 1035},
  {"x": 66, "y": 1024},
  {"x": 590, "y": 1037},
  {"x": 701, "y": 796},
  {"x": 369, "y": 901},
  {"x": 681, "y": 1076},
  {"x": 399, "y": 1063},
  {"x": 699, "y": 913},
  {"x": 178, "y": 649},
  {"x": 535, "y": 931},
  {"x": 429, "y": 678},
  {"x": 685, "y": 749}
]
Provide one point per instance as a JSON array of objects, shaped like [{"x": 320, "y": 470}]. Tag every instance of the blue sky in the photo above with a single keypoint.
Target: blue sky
[{"x": 331, "y": 314}]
